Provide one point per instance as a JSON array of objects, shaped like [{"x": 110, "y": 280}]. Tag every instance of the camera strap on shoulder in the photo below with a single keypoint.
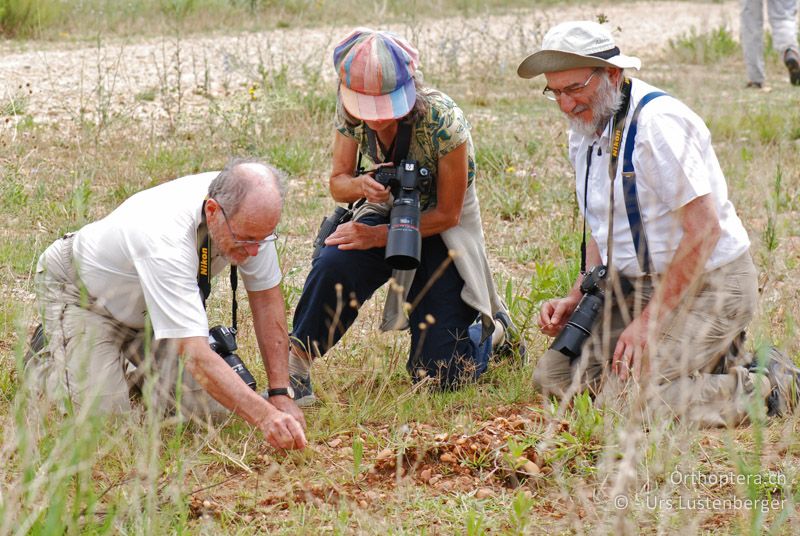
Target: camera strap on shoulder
[
  {"x": 204, "y": 267},
  {"x": 396, "y": 152},
  {"x": 630, "y": 192},
  {"x": 617, "y": 128}
]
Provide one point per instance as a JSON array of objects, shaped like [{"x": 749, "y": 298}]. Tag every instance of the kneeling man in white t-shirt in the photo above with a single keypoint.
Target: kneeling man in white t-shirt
[{"x": 122, "y": 298}]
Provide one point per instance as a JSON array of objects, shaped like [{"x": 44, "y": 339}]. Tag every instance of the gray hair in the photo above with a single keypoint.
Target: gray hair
[{"x": 230, "y": 187}]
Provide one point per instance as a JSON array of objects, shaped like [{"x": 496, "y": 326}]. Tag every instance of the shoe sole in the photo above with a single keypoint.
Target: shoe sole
[
  {"x": 307, "y": 401},
  {"x": 794, "y": 71}
]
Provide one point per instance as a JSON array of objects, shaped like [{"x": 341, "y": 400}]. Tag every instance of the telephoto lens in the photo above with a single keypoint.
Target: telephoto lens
[
  {"x": 223, "y": 341},
  {"x": 404, "y": 243},
  {"x": 579, "y": 326}
]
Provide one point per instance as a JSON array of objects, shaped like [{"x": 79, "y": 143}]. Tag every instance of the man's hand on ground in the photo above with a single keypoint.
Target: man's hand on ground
[
  {"x": 283, "y": 431},
  {"x": 287, "y": 405},
  {"x": 629, "y": 354}
]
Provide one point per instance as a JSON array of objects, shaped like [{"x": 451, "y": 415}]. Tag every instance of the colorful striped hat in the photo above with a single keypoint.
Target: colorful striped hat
[{"x": 376, "y": 74}]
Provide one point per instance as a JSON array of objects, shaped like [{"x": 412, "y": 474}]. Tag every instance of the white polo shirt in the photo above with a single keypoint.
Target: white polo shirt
[
  {"x": 142, "y": 259},
  {"x": 675, "y": 164}
]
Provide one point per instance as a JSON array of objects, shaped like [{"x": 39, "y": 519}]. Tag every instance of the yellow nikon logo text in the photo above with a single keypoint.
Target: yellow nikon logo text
[
  {"x": 203, "y": 261},
  {"x": 616, "y": 144}
]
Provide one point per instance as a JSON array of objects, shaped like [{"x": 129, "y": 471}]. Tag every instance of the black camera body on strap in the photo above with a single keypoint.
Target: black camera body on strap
[
  {"x": 584, "y": 318},
  {"x": 328, "y": 226},
  {"x": 223, "y": 341},
  {"x": 406, "y": 182}
]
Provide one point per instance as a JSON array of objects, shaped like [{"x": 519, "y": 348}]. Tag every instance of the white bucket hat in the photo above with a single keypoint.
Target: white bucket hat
[{"x": 575, "y": 44}]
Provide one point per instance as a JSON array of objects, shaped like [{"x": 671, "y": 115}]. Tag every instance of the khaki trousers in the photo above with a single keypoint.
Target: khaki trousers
[
  {"x": 688, "y": 377},
  {"x": 91, "y": 358}
]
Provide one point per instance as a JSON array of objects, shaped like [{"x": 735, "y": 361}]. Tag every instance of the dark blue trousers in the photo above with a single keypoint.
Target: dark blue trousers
[{"x": 448, "y": 348}]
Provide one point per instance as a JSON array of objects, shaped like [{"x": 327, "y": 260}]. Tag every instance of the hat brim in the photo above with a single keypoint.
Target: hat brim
[
  {"x": 552, "y": 61},
  {"x": 392, "y": 105}
]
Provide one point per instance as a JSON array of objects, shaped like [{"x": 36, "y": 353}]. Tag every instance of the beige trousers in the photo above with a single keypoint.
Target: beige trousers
[
  {"x": 90, "y": 358},
  {"x": 689, "y": 377}
]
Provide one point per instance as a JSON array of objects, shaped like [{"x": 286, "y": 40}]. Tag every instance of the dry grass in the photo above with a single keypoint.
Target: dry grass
[{"x": 493, "y": 458}]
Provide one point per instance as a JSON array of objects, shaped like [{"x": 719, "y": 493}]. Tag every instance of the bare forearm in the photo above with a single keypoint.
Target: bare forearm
[
  {"x": 269, "y": 321},
  {"x": 225, "y": 386},
  {"x": 435, "y": 222},
  {"x": 345, "y": 188},
  {"x": 686, "y": 267}
]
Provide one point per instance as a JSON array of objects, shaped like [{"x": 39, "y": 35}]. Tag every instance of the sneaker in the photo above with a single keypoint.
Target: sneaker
[
  {"x": 791, "y": 58},
  {"x": 784, "y": 378},
  {"x": 36, "y": 346},
  {"x": 513, "y": 344},
  {"x": 300, "y": 391},
  {"x": 754, "y": 85}
]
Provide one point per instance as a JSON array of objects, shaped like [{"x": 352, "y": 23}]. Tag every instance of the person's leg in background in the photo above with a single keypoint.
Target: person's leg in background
[
  {"x": 446, "y": 343},
  {"x": 751, "y": 35},
  {"x": 340, "y": 281}
]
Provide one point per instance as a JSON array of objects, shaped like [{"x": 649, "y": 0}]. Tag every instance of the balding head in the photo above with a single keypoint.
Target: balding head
[
  {"x": 244, "y": 205},
  {"x": 248, "y": 181}
]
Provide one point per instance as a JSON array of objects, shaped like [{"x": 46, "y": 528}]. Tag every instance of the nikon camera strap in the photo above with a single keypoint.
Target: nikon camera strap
[
  {"x": 618, "y": 126},
  {"x": 204, "y": 267},
  {"x": 629, "y": 190}
]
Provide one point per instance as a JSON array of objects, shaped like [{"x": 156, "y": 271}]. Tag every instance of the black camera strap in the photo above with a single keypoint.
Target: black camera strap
[
  {"x": 204, "y": 266},
  {"x": 616, "y": 141},
  {"x": 397, "y": 151},
  {"x": 617, "y": 128}
]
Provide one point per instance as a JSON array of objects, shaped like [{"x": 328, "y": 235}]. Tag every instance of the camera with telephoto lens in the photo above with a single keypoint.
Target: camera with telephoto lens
[
  {"x": 328, "y": 226},
  {"x": 579, "y": 326},
  {"x": 406, "y": 182},
  {"x": 223, "y": 341}
]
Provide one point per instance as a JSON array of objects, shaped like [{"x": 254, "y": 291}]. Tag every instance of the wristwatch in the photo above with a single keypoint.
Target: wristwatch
[{"x": 281, "y": 391}]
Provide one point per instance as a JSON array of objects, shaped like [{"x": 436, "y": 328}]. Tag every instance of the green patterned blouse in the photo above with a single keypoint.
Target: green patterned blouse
[{"x": 442, "y": 129}]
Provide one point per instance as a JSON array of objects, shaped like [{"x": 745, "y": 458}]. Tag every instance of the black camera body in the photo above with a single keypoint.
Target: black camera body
[
  {"x": 406, "y": 182},
  {"x": 223, "y": 341},
  {"x": 328, "y": 226},
  {"x": 579, "y": 326}
]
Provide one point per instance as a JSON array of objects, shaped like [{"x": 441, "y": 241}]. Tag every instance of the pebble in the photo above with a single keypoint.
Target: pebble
[
  {"x": 447, "y": 458},
  {"x": 335, "y": 443},
  {"x": 385, "y": 454},
  {"x": 484, "y": 493},
  {"x": 531, "y": 468}
]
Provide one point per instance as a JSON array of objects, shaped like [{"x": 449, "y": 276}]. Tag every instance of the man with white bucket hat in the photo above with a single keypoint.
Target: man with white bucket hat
[{"x": 672, "y": 286}]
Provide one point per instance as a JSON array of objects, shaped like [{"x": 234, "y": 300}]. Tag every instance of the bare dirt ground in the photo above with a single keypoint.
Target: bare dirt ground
[{"x": 156, "y": 77}]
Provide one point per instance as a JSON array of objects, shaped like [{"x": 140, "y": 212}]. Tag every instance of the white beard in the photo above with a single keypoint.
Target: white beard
[{"x": 606, "y": 102}]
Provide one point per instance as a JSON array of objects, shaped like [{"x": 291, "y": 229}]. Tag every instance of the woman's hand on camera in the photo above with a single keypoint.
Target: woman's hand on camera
[
  {"x": 372, "y": 190},
  {"x": 354, "y": 235},
  {"x": 555, "y": 313}
]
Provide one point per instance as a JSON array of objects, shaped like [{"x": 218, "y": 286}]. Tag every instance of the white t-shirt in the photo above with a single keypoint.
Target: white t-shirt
[
  {"x": 142, "y": 259},
  {"x": 675, "y": 164}
]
